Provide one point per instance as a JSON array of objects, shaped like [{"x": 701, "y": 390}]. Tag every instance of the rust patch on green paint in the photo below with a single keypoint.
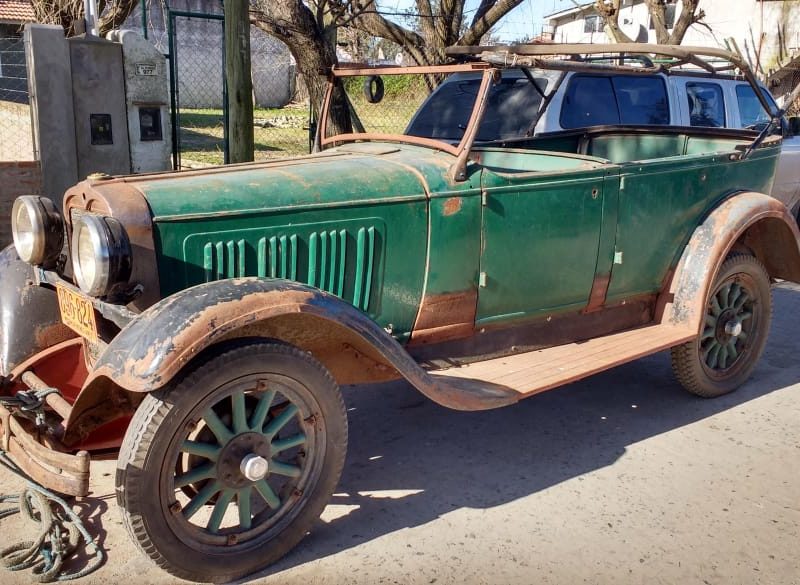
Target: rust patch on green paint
[{"x": 452, "y": 206}]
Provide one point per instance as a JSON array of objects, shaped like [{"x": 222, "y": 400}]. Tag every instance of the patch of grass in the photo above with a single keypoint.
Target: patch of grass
[{"x": 202, "y": 133}]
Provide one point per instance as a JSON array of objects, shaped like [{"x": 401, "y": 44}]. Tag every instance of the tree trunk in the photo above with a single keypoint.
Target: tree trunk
[
  {"x": 293, "y": 23},
  {"x": 239, "y": 81}
]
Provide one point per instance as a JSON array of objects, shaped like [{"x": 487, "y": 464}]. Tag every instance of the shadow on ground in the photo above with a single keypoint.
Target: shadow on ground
[{"x": 443, "y": 460}]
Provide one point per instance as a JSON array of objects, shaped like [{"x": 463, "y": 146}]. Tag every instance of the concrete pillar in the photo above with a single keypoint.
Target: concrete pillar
[
  {"x": 52, "y": 114},
  {"x": 98, "y": 101}
]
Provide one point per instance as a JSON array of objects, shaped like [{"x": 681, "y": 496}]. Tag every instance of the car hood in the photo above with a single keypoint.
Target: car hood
[{"x": 356, "y": 173}]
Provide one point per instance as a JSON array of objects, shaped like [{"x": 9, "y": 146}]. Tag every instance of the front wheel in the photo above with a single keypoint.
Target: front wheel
[
  {"x": 224, "y": 471},
  {"x": 734, "y": 332}
]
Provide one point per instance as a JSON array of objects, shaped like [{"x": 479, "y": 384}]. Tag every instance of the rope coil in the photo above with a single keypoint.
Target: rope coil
[{"x": 60, "y": 532}]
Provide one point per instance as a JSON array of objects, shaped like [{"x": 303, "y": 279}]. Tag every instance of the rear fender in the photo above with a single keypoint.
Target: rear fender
[
  {"x": 153, "y": 348},
  {"x": 750, "y": 222}
]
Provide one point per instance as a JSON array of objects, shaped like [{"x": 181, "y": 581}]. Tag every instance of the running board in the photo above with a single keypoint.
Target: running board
[{"x": 525, "y": 374}]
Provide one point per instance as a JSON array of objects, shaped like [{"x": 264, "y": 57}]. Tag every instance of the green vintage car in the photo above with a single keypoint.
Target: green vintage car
[{"x": 202, "y": 322}]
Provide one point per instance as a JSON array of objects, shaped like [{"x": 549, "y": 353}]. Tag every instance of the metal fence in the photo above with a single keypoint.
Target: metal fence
[
  {"x": 16, "y": 137},
  {"x": 193, "y": 42}
]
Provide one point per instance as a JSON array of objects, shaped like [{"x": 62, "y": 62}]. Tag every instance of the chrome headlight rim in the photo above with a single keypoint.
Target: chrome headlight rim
[
  {"x": 109, "y": 251},
  {"x": 46, "y": 236}
]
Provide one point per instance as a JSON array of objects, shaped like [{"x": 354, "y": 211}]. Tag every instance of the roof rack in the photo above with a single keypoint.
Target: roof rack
[{"x": 583, "y": 56}]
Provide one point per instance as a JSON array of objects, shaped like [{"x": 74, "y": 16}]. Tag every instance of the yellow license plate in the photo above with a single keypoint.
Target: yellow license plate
[{"x": 77, "y": 313}]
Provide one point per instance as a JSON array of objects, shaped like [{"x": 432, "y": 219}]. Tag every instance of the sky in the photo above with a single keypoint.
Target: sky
[{"x": 523, "y": 22}]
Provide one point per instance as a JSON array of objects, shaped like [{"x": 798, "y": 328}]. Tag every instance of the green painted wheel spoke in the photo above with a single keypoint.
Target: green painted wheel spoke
[
  {"x": 265, "y": 491},
  {"x": 243, "y": 502},
  {"x": 711, "y": 321},
  {"x": 223, "y": 501},
  {"x": 199, "y": 473},
  {"x": 219, "y": 428},
  {"x": 239, "y": 413},
  {"x": 261, "y": 411},
  {"x": 732, "y": 349},
  {"x": 280, "y": 421},
  {"x": 288, "y": 442},
  {"x": 736, "y": 292},
  {"x": 723, "y": 356},
  {"x": 742, "y": 336},
  {"x": 715, "y": 308},
  {"x": 741, "y": 301},
  {"x": 207, "y": 450},
  {"x": 200, "y": 499},
  {"x": 708, "y": 333},
  {"x": 713, "y": 356},
  {"x": 280, "y": 468},
  {"x": 723, "y": 296},
  {"x": 745, "y": 315},
  {"x": 708, "y": 348}
]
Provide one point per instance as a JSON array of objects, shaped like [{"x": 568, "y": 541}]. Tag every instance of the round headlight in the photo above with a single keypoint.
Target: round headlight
[
  {"x": 101, "y": 256},
  {"x": 37, "y": 228}
]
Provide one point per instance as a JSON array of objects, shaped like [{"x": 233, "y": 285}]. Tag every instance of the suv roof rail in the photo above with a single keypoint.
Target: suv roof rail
[{"x": 577, "y": 56}]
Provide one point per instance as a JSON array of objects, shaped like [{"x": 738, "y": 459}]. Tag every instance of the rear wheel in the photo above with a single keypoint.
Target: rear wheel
[
  {"x": 225, "y": 470},
  {"x": 734, "y": 333}
]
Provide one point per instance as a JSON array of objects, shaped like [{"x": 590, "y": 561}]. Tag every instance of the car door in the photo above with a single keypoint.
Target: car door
[{"x": 540, "y": 235}]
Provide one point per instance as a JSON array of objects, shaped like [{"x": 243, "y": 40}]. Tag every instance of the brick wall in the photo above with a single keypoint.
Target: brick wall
[{"x": 16, "y": 178}]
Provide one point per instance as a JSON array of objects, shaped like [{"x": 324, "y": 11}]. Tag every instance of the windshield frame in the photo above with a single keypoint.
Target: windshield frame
[{"x": 489, "y": 74}]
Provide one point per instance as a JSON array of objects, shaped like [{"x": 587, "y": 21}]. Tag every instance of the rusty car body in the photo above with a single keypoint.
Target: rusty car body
[{"x": 192, "y": 319}]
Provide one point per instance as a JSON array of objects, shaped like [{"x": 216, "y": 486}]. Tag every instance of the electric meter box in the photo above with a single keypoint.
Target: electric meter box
[
  {"x": 98, "y": 98},
  {"x": 98, "y": 105},
  {"x": 146, "y": 100}
]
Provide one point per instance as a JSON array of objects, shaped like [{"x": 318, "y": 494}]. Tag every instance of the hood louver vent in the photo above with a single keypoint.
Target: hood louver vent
[{"x": 341, "y": 262}]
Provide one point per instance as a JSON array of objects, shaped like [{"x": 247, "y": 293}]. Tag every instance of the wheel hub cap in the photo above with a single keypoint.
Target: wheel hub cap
[
  {"x": 733, "y": 328},
  {"x": 254, "y": 467},
  {"x": 244, "y": 459}
]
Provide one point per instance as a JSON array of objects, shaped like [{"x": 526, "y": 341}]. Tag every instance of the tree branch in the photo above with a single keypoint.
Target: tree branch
[
  {"x": 690, "y": 14},
  {"x": 609, "y": 12},
  {"x": 483, "y": 22}
]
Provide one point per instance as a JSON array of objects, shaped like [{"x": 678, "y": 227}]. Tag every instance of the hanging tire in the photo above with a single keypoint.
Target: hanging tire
[
  {"x": 373, "y": 89},
  {"x": 734, "y": 333},
  {"x": 225, "y": 470}
]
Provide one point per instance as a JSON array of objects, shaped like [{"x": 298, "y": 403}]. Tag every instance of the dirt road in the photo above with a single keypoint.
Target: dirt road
[{"x": 621, "y": 478}]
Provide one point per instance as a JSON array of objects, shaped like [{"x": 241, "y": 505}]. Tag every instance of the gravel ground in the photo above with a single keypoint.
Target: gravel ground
[{"x": 620, "y": 478}]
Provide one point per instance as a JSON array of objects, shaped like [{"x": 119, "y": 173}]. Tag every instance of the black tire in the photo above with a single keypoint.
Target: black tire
[
  {"x": 242, "y": 386},
  {"x": 717, "y": 361},
  {"x": 373, "y": 89}
]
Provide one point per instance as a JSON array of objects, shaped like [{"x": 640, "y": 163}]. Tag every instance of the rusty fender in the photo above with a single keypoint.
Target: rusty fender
[
  {"x": 161, "y": 341},
  {"x": 29, "y": 318},
  {"x": 748, "y": 222}
]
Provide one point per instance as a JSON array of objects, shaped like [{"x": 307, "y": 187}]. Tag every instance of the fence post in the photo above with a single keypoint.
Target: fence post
[{"x": 238, "y": 80}]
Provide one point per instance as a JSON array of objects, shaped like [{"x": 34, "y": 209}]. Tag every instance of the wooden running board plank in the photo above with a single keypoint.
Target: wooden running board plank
[
  {"x": 536, "y": 371},
  {"x": 623, "y": 347}
]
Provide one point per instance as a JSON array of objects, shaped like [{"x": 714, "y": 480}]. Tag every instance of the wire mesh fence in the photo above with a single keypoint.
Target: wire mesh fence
[
  {"x": 16, "y": 137},
  {"x": 281, "y": 116},
  {"x": 400, "y": 98}
]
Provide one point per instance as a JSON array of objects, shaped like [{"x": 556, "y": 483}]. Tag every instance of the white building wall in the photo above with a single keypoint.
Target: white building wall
[{"x": 765, "y": 31}]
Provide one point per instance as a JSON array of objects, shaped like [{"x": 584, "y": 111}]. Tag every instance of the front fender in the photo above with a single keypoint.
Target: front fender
[
  {"x": 747, "y": 221},
  {"x": 155, "y": 346}
]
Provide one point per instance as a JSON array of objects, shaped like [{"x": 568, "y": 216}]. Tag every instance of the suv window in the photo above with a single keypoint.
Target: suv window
[
  {"x": 595, "y": 101},
  {"x": 751, "y": 112},
  {"x": 706, "y": 104},
  {"x": 510, "y": 111}
]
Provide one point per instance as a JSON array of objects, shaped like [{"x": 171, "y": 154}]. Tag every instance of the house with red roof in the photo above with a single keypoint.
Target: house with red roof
[{"x": 13, "y": 80}]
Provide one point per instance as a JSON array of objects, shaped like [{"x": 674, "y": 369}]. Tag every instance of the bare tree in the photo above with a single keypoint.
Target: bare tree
[
  {"x": 690, "y": 14},
  {"x": 69, "y": 14},
  {"x": 308, "y": 27}
]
